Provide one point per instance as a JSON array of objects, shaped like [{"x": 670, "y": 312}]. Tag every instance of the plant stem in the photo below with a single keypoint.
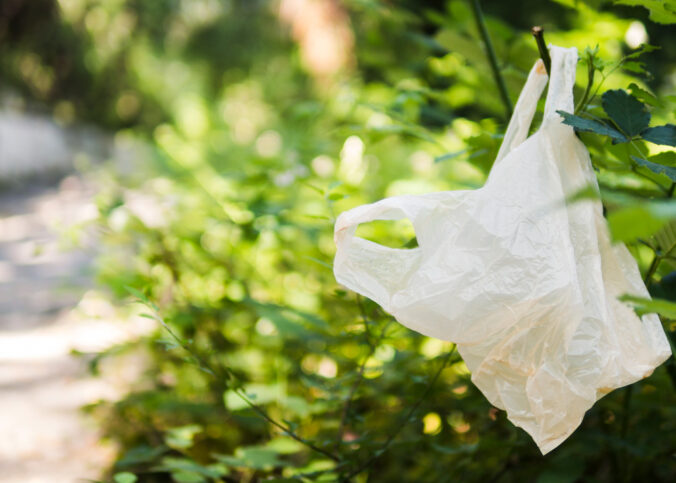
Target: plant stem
[
  {"x": 261, "y": 412},
  {"x": 206, "y": 366},
  {"x": 390, "y": 439},
  {"x": 539, "y": 34},
  {"x": 590, "y": 83},
  {"x": 492, "y": 58},
  {"x": 651, "y": 270},
  {"x": 360, "y": 377}
]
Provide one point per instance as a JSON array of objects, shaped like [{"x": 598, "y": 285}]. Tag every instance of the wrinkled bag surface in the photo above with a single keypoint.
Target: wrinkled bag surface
[{"x": 525, "y": 285}]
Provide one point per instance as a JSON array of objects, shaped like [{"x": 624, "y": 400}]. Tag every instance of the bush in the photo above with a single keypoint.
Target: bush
[{"x": 265, "y": 367}]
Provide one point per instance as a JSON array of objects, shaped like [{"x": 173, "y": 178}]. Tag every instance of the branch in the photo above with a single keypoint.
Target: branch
[
  {"x": 206, "y": 367},
  {"x": 539, "y": 34},
  {"x": 406, "y": 419},
  {"x": 492, "y": 58},
  {"x": 360, "y": 374}
]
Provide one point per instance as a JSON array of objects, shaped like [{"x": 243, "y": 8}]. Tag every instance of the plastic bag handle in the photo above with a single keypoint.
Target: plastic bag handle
[
  {"x": 559, "y": 96},
  {"x": 519, "y": 125},
  {"x": 368, "y": 267},
  {"x": 560, "y": 92}
]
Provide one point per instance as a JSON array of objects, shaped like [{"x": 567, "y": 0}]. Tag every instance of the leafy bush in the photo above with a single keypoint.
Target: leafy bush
[{"x": 265, "y": 367}]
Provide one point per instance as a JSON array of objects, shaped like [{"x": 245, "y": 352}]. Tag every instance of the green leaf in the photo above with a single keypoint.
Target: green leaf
[
  {"x": 649, "y": 306},
  {"x": 136, "y": 293},
  {"x": 665, "y": 135},
  {"x": 666, "y": 238},
  {"x": 657, "y": 168},
  {"x": 661, "y": 11},
  {"x": 641, "y": 220},
  {"x": 667, "y": 158},
  {"x": 141, "y": 454},
  {"x": 642, "y": 49},
  {"x": 336, "y": 196},
  {"x": 256, "y": 457},
  {"x": 187, "y": 477},
  {"x": 589, "y": 192},
  {"x": 590, "y": 125},
  {"x": 182, "y": 437},
  {"x": 125, "y": 477},
  {"x": 259, "y": 394},
  {"x": 447, "y": 156},
  {"x": 191, "y": 469},
  {"x": 284, "y": 445},
  {"x": 630, "y": 114},
  {"x": 634, "y": 66},
  {"x": 643, "y": 95}
]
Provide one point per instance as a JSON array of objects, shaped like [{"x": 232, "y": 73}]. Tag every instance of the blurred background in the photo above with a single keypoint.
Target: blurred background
[{"x": 197, "y": 152}]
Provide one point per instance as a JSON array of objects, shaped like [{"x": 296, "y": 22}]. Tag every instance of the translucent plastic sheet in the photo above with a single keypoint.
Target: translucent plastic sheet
[{"x": 525, "y": 285}]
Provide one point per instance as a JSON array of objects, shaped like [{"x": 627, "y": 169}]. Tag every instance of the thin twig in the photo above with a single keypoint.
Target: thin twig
[
  {"x": 591, "y": 71},
  {"x": 406, "y": 419},
  {"x": 492, "y": 58},
  {"x": 261, "y": 412},
  {"x": 360, "y": 377},
  {"x": 539, "y": 34},
  {"x": 651, "y": 270},
  {"x": 206, "y": 366}
]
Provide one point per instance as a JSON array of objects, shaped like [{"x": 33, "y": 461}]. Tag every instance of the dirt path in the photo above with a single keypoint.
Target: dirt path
[{"x": 45, "y": 311}]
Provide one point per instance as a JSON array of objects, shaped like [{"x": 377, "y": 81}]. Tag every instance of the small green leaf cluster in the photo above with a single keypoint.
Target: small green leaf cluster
[{"x": 628, "y": 119}]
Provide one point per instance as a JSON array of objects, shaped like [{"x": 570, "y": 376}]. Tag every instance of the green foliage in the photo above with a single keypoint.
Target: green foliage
[
  {"x": 647, "y": 306},
  {"x": 629, "y": 115},
  {"x": 125, "y": 477},
  {"x": 592, "y": 125},
  {"x": 627, "y": 112},
  {"x": 262, "y": 367},
  {"x": 661, "y": 11},
  {"x": 657, "y": 168},
  {"x": 661, "y": 134}
]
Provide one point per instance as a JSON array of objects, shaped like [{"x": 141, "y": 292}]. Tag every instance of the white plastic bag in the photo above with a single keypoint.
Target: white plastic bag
[{"x": 525, "y": 286}]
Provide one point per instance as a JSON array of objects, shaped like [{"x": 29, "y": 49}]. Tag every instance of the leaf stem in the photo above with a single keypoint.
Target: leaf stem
[{"x": 492, "y": 58}]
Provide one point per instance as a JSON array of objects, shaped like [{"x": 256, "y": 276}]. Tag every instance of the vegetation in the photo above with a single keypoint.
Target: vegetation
[{"x": 260, "y": 121}]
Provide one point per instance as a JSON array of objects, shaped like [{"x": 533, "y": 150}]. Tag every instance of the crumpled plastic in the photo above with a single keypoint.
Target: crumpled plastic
[{"x": 525, "y": 284}]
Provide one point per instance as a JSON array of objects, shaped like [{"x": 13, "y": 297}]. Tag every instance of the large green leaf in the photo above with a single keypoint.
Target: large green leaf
[
  {"x": 590, "y": 125},
  {"x": 661, "y": 11},
  {"x": 630, "y": 114},
  {"x": 665, "y": 135}
]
